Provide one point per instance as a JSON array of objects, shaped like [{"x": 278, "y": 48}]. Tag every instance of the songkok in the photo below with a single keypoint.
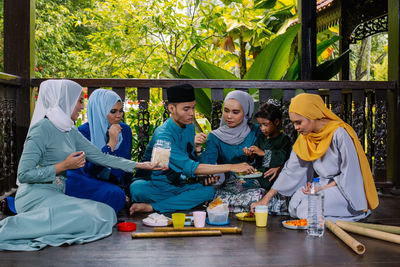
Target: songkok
[{"x": 180, "y": 93}]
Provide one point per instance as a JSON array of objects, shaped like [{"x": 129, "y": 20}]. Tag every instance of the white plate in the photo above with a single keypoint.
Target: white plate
[
  {"x": 250, "y": 176},
  {"x": 149, "y": 223},
  {"x": 292, "y": 226}
]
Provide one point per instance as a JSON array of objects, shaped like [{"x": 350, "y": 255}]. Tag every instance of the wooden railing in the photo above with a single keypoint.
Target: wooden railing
[
  {"x": 361, "y": 104},
  {"x": 9, "y": 84}
]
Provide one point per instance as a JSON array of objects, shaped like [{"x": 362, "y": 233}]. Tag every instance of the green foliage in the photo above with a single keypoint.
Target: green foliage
[
  {"x": 328, "y": 69},
  {"x": 273, "y": 61}
]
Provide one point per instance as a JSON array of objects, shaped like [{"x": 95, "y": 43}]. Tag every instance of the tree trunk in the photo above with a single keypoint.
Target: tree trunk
[
  {"x": 361, "y": 59},
  {"x": 242, "y": 57},
  {"x": 368, "y": 56}
]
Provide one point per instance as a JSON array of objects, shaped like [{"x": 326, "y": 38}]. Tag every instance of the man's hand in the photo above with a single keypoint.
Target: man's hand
[
  {"x": 242, "y": 167},
  {"x": 199, "y": 139},
  {"x": 211, "y": 179}
]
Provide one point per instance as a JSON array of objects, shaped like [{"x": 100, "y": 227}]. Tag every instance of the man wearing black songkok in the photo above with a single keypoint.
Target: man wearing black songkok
[{"x": 167, "y": 191}]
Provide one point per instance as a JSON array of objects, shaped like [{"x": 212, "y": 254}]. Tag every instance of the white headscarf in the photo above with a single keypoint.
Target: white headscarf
[
  {"x": 100, "y": 103},
  {"x": 57, "y": 100},
  {"x": 236, "y": 135}
]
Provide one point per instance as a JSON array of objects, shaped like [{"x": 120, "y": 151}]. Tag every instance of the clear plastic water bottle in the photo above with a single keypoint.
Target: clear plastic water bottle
[{"x": 316, "y": 220}]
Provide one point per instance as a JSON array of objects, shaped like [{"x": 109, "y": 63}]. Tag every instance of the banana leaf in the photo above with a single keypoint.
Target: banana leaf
[
  {"x": 272, "y": 62},
  {"x": 330, "y": 68},
  {"x": 203, "y": 95},
  {"x": 293, "y": 72},
  {"x": 213, "y": 72}
]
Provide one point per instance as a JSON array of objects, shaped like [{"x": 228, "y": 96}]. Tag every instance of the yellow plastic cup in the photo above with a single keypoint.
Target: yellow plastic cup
[
  {"x": 178, "y": 219},
  {"x": 261, "y": 213}
]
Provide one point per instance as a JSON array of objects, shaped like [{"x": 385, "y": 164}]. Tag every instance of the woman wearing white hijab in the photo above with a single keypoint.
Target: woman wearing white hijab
[
  {"x": 225, "y": 145},
  {"x": 46, "y": 216},
  {"x": 106, "y": 131}
]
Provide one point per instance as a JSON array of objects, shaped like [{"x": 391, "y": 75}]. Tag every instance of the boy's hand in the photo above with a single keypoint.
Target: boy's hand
[{"x": 257, "y": 151}]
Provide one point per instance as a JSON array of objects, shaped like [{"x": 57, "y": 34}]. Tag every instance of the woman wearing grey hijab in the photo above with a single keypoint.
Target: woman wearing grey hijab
[{"x": 225, "y": 146}]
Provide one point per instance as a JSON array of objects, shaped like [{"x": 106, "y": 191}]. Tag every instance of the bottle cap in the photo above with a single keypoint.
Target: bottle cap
[
  {"x": 126, "y": 226},
  {"x": 316, "y": 180}
]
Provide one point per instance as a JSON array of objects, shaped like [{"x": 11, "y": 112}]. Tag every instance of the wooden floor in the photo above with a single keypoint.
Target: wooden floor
[{"x": 273, "y": 245}]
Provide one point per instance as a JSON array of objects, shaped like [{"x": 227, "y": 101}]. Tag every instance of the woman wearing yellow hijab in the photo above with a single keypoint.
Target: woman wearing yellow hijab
[{"x": 328, "y": 148}]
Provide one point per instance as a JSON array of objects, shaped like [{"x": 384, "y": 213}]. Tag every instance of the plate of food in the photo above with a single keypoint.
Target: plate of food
[
  {"x": 245, "y": 216},
  {"x": 156, "y": 220},
  {"x": 299, "y": 224},
  {"x": 244, "y": 175}
]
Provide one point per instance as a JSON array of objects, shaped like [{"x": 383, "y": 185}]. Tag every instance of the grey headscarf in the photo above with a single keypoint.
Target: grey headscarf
[{"x": 235, "y": 136}]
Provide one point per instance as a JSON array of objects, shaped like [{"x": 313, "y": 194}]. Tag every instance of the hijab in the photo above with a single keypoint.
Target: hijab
[
  {"x": 236, "y": 135},
  {"x": 56, "y": 101},
  {"x": 100, "y": 103},
  {"x": 314, "y": 145}
]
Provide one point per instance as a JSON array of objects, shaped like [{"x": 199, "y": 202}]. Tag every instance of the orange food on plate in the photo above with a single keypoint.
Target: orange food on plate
[
  {"x": 215, "y": 202},
  {"x": 300, "y": 222}
]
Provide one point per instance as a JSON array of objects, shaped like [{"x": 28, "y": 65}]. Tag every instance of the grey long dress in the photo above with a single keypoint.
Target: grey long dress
[
  {"x": 347, "y": 200},
  {"x": 46, "y": 216}
]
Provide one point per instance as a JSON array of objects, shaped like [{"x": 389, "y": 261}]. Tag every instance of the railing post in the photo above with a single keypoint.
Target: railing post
[
  {"x": 19, "y": 54},
  {"x": 217, "y": 99},
  {"x": 308, "y": 38},
  {"x": 143, "y": 120},
  {"x": 287, "y": 125}
]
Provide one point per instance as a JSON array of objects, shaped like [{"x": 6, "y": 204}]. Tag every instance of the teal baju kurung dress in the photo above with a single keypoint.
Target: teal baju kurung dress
[
  {"x": 237, "y": 194},
  {"x": 168, "y": 190},
  {"x": 46, "y": 216}
]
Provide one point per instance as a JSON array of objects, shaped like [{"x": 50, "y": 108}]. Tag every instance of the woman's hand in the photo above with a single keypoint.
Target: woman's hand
[
  {"x": 307, "y": 188},
  {"x": 75, "y": 160},
  {"x": 147, "y": 165},
  {"x": 263, "y": 202},
  {"x": 113, "y": 133},
  {"x": 274, "y": 172},
  {"x": 247, "y": 152},
  {"x": 242, "y": 167}
]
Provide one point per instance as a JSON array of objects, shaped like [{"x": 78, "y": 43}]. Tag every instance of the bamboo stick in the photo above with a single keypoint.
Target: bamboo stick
[
  {"x": 385, "y": 228},
  {"x": 369, "y": 232},
  {"x": 224, "y": 230},
  {"x": 345, "y": 237},
  {"x": 176, "y": 234}
]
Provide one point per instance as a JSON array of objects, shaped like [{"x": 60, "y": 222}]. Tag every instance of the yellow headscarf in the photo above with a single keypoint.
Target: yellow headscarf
[{"x": 314, "y": 145}]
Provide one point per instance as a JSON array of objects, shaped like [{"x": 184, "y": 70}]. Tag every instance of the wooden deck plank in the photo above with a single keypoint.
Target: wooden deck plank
[{"x": 273, "y": 245}]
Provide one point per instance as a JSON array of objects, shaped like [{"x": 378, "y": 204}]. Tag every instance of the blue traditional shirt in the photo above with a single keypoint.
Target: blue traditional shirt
[{"x": 182, "y": 161}]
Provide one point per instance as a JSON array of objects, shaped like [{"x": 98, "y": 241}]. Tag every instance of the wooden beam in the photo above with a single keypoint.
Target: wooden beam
[
  {"x": 308, "y": 39},
  {"x": 19, "y": 54},
  {"x": 393, "y": 145}
]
